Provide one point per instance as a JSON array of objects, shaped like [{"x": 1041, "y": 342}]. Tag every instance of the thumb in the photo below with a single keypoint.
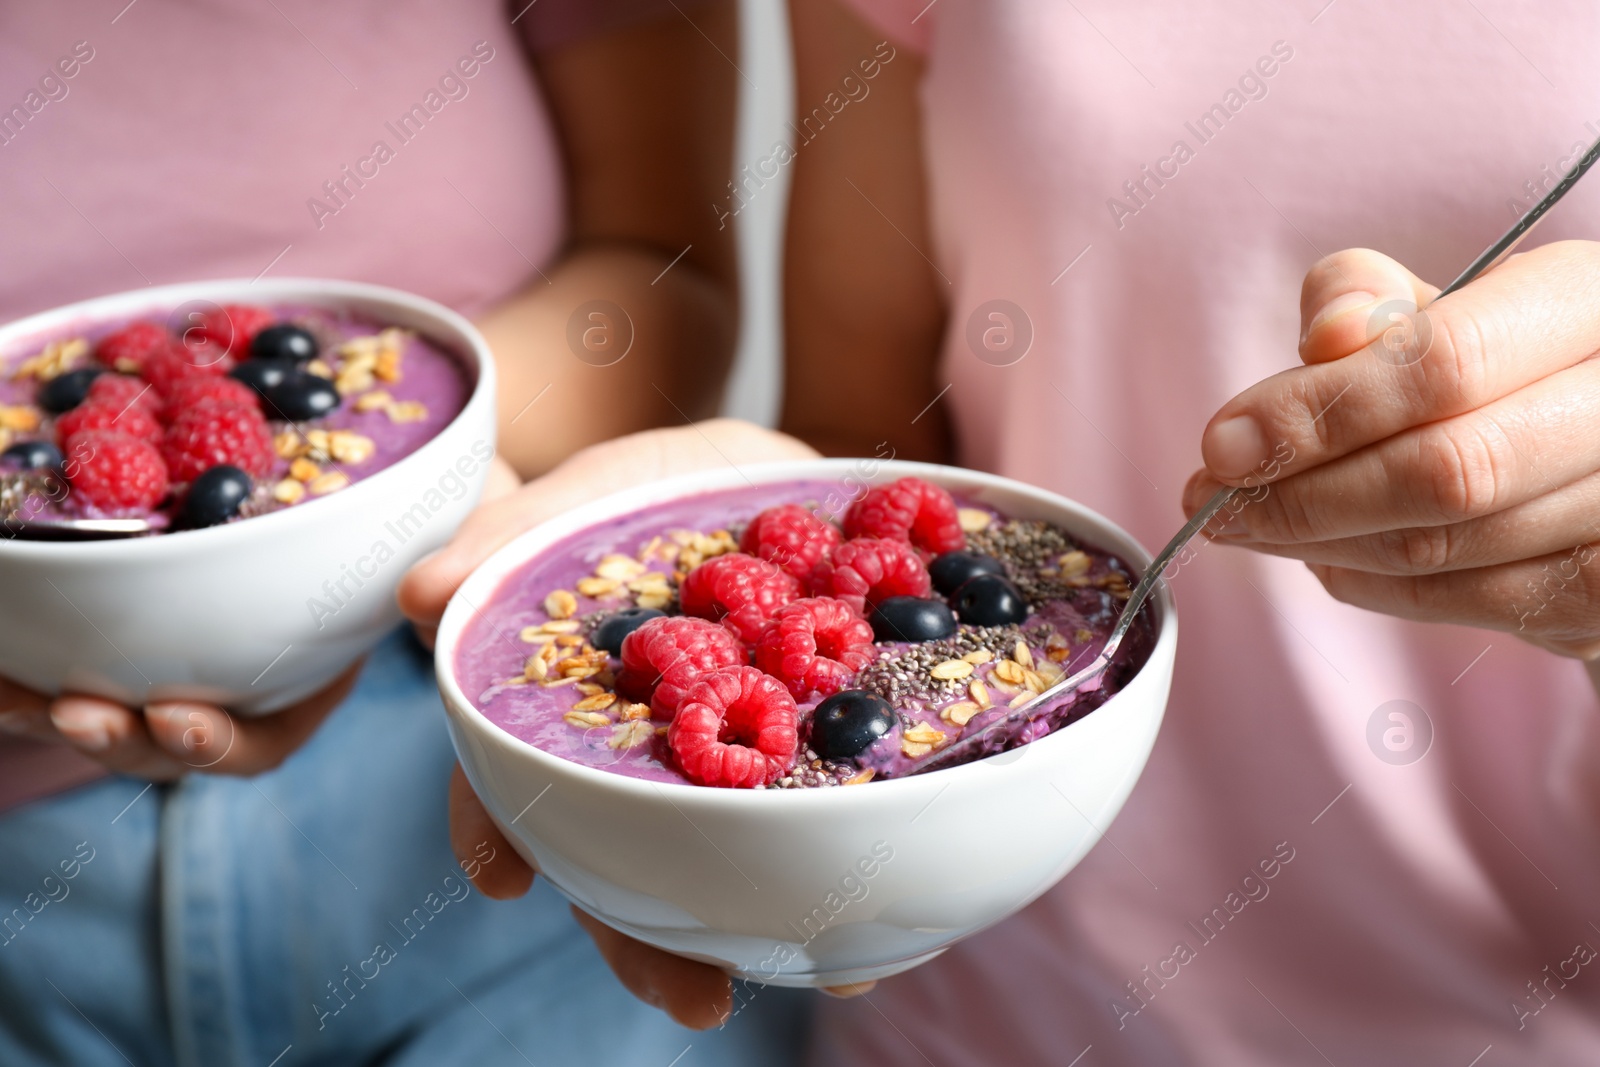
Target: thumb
[
  {"x": 1354, "y": 297},
  {"x": 428, "y": 586},
  {"x": 486, "y": 857}
]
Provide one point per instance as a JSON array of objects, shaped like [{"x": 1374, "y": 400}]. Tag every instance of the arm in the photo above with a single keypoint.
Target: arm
[
  {"x": 695, "y": 994},
  {"x": 861, "y": 303},
  {"x": 645, "y": 119}
]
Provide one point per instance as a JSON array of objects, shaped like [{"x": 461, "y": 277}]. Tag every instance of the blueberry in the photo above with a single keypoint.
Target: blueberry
[
  {"x": 284, "y": 341},
  {"x": 846, "y": 723},
  {"x": 66, "y": 391},
  {"x": 215, "y": 496},
  {"x": 263, "y": 374},
  {"x": 989, "y": 600},
  {"x": 909, "y": 618},
  {"x": 301, "y": 396},
  {"x": 34, "y": 455},
  {"x": 951, "y": 569},
  {"x": 619, "y": 624}
]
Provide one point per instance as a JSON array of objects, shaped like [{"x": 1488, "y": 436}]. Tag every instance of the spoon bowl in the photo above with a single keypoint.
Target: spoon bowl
[{"x": 58, "y": 529}]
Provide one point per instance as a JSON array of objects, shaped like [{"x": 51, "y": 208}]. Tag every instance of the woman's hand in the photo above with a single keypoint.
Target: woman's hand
[
  {"x": 164, "y": 741},
  {"x": 1441, "y": 464},
  {"x": 695, "y": 994},
  {"x": 167, "y": 740},
  {"x": 587, "y": 475}
]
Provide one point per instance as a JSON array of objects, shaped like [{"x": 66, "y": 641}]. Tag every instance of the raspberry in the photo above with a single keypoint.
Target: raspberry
[
  {"x": 738, "y": 590},
  {"x": 121, "y": 390},
  {"x": 163, "y": 370},
  {"x": 665, "y": 656},
  {"x": 116, "y": 472},
  {"x": 188, "y": 392},
  {"x": 232, "y": 327},
  {"x": 909, "y": 509},
  {"x": 214, "y": 432},
  {"x": 736, "y": 728},
  {"x": 791, "y": 537},
  {"x": 127, "y": 349},
  {"x": 135, "y": 420},
  {"x": 814, "y": 645},
  {"x": 869, "y": 569}
]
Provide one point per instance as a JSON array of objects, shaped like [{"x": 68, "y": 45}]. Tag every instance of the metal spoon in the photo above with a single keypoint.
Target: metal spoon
[
  {"x": 21, "y": 522},
  {"x": 62, "y": 529},
  {"x": 973, "y": 745}
]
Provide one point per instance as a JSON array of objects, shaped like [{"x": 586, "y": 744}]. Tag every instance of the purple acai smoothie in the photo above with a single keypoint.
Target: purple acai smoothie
[
  {"x": 214, "y": 415},
  {"x": 992, "y": 622}
]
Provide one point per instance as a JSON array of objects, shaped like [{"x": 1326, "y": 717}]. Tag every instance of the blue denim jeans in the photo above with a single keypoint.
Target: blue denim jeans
[{"x": 313, "y": 915}]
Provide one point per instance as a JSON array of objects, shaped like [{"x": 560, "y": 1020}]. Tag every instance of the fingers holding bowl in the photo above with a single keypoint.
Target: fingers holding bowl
[
  {"x": 481, "y": 849},
  {"x": 696, "y": 995},
  {"x": 167, "y": 740},
  {"x": 200, "y": 737},
  {"x": 24, "y": 713},
  {"x": 119, "y": 738},
  {"x": 109, "y": 734}
]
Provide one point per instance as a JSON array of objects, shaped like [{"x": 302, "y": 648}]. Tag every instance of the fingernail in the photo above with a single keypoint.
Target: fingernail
[
  {"x": 849, "y": 990},
  {"x": 85, "y": 725},
  {"x": 1336, "y": 307},
  {"x": 190, "y": 718},
  {"x": 165, "y": 712},
  {"x": 1234, "y": 447}
]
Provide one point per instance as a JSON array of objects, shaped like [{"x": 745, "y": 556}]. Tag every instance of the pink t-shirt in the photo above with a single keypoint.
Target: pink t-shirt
[
  {"x": 171, "y": 142},
  {"x": 1420, "y": 910}
]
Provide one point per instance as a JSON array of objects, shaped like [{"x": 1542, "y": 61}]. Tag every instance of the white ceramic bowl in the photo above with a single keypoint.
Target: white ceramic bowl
[
  {"x": 814, "y": 887},
  {"x": 240, "y": 614}
]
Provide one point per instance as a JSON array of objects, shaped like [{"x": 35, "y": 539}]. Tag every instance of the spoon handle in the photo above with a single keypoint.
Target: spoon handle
[
  {"x": 967, "y": 747},
  {"x": 1509, "y": 240}
]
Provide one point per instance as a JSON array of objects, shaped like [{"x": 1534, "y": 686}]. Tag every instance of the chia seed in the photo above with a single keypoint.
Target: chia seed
[
  {"x": 810, "y": 772},
  {"x": 1031, "y": 550},
  {"x": 1026, "y": 547},
  {"x": 587, "y": 623},
  {"x": 901, "y": 676},
  {"x": 259, "y": 502}
]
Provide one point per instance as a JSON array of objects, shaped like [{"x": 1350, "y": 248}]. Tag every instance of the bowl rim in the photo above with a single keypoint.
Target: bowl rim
[
  {"x": 486, "y": 578},
  {"x": 330, "y": 292}
]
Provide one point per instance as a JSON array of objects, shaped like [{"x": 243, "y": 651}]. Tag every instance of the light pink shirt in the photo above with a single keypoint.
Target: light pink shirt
[{"x": 1421, "y": 899}]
